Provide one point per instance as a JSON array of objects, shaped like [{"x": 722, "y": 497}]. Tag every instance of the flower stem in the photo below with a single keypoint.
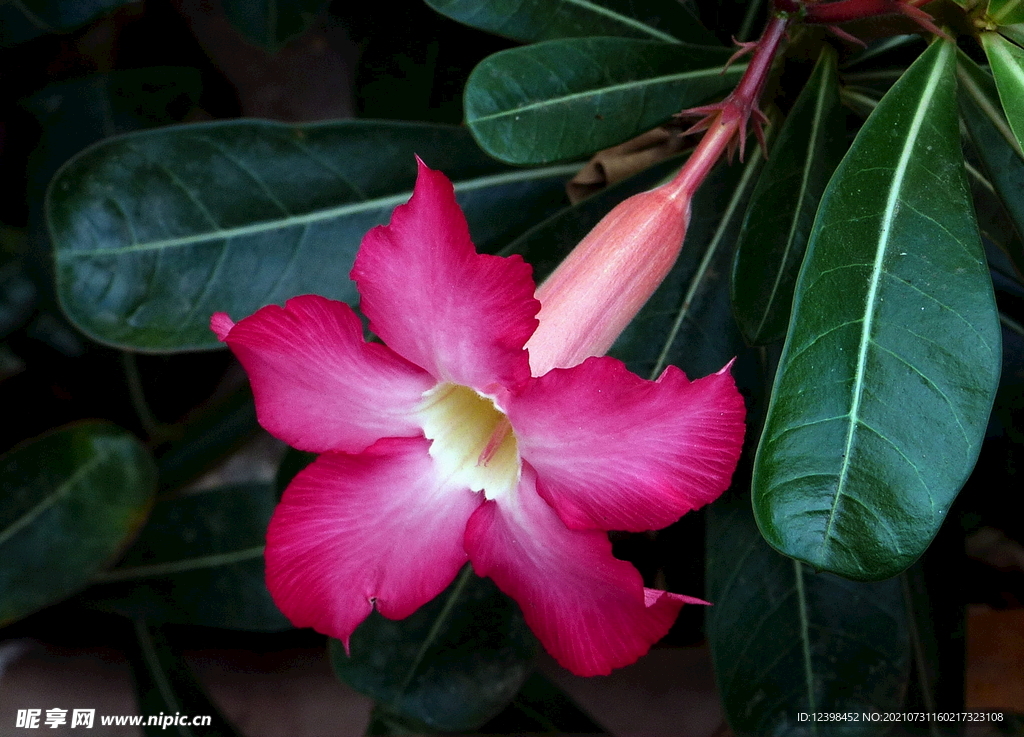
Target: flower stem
[{"x": 729, "y": 119}]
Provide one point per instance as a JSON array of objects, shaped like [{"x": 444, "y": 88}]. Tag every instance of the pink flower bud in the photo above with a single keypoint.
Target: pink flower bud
[{"x": 592, "y": 296}]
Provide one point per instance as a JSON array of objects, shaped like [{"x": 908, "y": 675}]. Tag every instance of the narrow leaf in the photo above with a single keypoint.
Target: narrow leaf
[
  {"x": 451, "y": 666},
  {"x": 786, "y": 640},
  {"x": 167, "y": 689},
  {"x": 567, "y": 98},
  {"x": 69, "y": 502},
  {"x": 889, "y": 371},
  {"x": 1005, "y": 12},
  {"x": 1007, "y": 61},
  {"x": 778, "y": 221},
  {"x": 153, "y": 232},
  {"x": 997, "y": 149},
  {"x": 540, "y": 20},
  {"x": 199, "y": 560}
]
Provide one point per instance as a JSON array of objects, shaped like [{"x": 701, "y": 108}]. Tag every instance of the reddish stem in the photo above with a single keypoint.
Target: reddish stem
[{"x": 727, "y": 120}]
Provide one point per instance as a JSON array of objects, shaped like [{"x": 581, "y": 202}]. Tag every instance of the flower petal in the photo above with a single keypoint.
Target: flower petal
[
  {"x": 318, "y": 385},
  {"x": 462, "y": 316},
  {"x": 352, "y": 531},
  {"x": 615, "y": 452},
  {"x": 589, "y": 609}
]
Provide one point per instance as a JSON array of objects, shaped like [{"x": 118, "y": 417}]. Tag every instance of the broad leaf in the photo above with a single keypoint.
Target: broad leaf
[
  {"x": 1007, "y": 62},
  {"x": 786, "y": 640},
  {"x": 166, "y": 687},
  {"x": 996, "y": 146},
  {"x": 199, "y": 560},
  {"x": 540, "y": 20},
  {"x": 778, "y": 221},
  {"x": 271, "y": 24},
  {"x": 567, "y": 98},
  {"x": 21, "y": 20},
  {"x": 451, "y": 666},
  {"x": 69, "y": 502},
  {"x": 889, "y": 371},
  {"x": 156, "y": 231}
]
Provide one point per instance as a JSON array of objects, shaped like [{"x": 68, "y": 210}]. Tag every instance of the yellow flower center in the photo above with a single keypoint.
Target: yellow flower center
[{"x": 472, "y": 440}]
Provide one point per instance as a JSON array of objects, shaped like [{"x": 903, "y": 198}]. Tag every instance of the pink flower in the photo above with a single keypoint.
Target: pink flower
[{"x": 441, "y": 447}]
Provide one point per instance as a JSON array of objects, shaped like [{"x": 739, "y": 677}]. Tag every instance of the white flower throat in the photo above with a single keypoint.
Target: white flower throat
[{"x": 472, "y": 440}]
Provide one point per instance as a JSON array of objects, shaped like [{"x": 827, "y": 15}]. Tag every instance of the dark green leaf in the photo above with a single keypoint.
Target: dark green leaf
[
  {"x": 17, "y": 296},
  {"x": 567, "y": 98},
  {"x": 271, "y": 23},
  {"x": 889, "y": 371},
  {"x": 540, "y": 20},
  {"x": 996, "y": 146},
  {"x": 452, "y": 665},
  {"x": 199, "y": 560},
  {"x": 786, "y": 640},
  {"x": 778, "y": 221},
  {"x": 154, "y": 232},
  {"x": 21, "y": 20},
  {"x": 1007, "y": 62},
  {"x": 541, "y": 706},
  {"x": 166, "y": 687},
  {"x": 1005, "y": 12},
  {"x": 69, "y": 502}
]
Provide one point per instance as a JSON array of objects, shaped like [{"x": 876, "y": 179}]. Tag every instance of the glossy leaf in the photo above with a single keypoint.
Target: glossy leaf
[
  {"x": 1005, "y": 12},
  {"x": 540, "y": 20},
  {"x": 568, "y": 98},
  {"x": 996, "y": 146},
  {"x": 166, "y": 686},
  {"x": 199, "y": 560},
  {"x": 69, "y": 503},
  {"x": 271, "y": 24},
  {"x": 786, "y": 640},
  {"x": 451, "y": 666},
  {"x": 889, "y": 371},
  {"x": 778, "y": 221},
  {"x": 1007, "y": 62},
  {"x": 27, "y": 19},
  {"x": 154, "y": 232}
]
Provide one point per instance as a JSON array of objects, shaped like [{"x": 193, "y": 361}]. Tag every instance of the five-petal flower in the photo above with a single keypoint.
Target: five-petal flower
[{"x": 439, "y": 447}]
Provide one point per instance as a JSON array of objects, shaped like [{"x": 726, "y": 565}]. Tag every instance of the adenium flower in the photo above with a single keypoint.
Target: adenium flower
[{"x": 442, "y": 446}]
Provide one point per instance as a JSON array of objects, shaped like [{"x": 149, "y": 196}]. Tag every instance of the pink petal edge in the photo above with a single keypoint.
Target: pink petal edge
[
  {"x": 613, "y": 451},
  {"x": 318, "y": 385},
  {"x": 462, "y": 316},
  {"x": 357, "y": 531},
  {"x": 589, "y": 609}
]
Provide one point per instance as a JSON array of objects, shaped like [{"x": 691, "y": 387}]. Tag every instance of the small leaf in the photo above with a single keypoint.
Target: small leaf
[
  {"x": 786, "y": 641},
  {"x": 272, "y": 24},
  {"x": 567, "y": 98},
  {"x": 540, "y": 20},
  {"x": 778, "y": 221},
  {"x": 995, "y": 144},
  {"x": 199, "y": 560},
  {"x": 166, "y": 688},
  {"x": 154, "y": 232},
  {"x": 1007, "y": 61},
  {"x": 69, "y": 502},
  {"x": 890, "y": 368},
  {"x": 451, "y": 666}
]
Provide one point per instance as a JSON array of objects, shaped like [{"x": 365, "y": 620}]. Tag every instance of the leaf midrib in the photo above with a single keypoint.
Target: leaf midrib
[
  {"x": 736, "y": 70},
  {"x": 623, "y": 19},
  {"x": 317, "y": 216},
  {"x": 888, "y": 216},
  {"x": 59, "y": 493}
]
